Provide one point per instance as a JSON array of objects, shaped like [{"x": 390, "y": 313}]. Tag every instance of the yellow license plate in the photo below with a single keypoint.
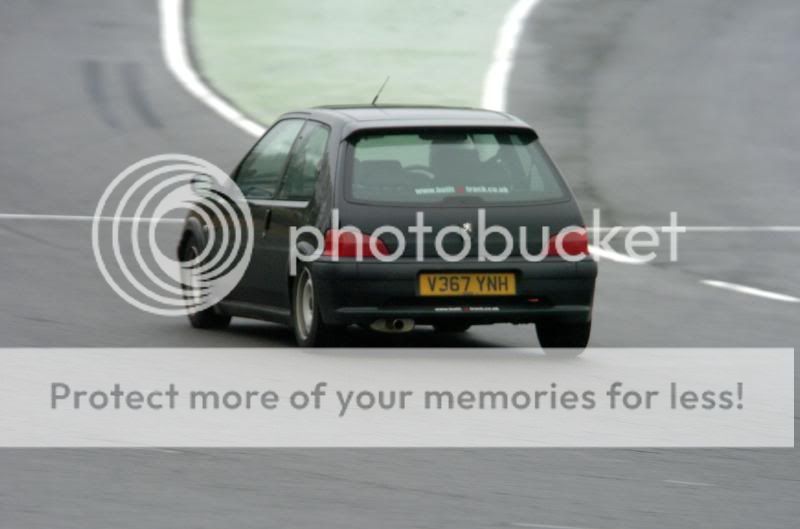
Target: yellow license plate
[{"x": 468, "y": 284}]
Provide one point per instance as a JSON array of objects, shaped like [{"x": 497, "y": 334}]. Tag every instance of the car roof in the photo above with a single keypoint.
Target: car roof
[{"x": 360, "y": 117}]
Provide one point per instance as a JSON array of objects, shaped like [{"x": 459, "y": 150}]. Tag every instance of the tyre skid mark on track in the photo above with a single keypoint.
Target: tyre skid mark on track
[
  {"x": 132, "y": 75},
  {"x": 96, "y": 87}
]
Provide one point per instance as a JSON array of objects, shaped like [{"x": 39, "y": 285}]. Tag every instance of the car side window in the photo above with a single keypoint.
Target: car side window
[
  {"x": 305, "y": 162},
  {"x": 260, "y": 173}
]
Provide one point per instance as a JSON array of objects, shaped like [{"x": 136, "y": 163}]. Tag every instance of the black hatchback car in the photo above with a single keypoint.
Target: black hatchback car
[{"x": 406, "y": 214}]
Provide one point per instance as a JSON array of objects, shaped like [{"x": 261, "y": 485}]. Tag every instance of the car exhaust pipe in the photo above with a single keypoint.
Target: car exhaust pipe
[{"x": 396, "y": 325}]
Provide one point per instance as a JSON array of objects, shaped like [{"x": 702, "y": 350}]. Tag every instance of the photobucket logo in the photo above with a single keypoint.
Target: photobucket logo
[
  {"x": 570, "y": 243},
  {"x": 139, "y": 219}
]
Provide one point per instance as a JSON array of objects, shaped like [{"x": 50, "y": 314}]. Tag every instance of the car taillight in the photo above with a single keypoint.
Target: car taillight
[
  {"x": 346, "y": 242},
  {"x": 574, "y": 242}
]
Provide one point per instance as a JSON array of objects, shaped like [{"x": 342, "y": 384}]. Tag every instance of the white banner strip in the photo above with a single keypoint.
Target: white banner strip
[{"x": 396, "y": 398}]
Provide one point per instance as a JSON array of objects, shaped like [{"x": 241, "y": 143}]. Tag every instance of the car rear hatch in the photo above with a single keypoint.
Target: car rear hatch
[{"x": 455, "y": 179}]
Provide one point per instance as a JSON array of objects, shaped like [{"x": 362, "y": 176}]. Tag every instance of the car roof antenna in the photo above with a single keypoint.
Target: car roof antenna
[{"x": 375, "y": 99}]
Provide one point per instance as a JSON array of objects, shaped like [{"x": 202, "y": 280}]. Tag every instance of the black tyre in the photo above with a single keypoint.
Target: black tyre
[
  {"x": 452, "y": 327},
  {"x": 309, "y": 329},
  {"x": 211, "y": 317},
  {"x": 564, "y": 339}
]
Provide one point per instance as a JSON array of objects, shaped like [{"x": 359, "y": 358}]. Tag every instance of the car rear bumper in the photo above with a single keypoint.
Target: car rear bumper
[{"x": 360, "y": 293}]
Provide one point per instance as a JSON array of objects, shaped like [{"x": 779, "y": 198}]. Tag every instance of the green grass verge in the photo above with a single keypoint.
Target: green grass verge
[{"x": 270, "y": 56}]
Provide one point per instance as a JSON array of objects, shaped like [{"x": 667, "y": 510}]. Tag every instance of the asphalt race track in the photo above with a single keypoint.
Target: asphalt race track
[{"x": 686, "y": 106}]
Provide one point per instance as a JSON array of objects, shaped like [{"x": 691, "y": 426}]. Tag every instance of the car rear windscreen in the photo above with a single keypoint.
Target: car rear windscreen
[{"x": 452, "y": 167}]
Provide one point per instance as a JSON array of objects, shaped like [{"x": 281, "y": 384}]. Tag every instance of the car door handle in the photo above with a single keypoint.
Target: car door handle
[{"x": 267, "y": 218}]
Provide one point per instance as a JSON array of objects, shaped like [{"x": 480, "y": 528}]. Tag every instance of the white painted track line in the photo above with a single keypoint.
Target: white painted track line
[
  {"x": 743, "y": 229},
  {"x": 495, "y": 83},
  {"x": 688, "y": 483},
  {"x": 706, "y": 229},
  {"x": 546, "y": 526},
  {"x": 742, "y": 289},
  {"x": 698, "y": 229},
  {"x": 594, "y": 250},
  {"x": 611, "y": 255},
  {"x": 84, "y": 218},
  {"x": 173, "y": 45}
]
